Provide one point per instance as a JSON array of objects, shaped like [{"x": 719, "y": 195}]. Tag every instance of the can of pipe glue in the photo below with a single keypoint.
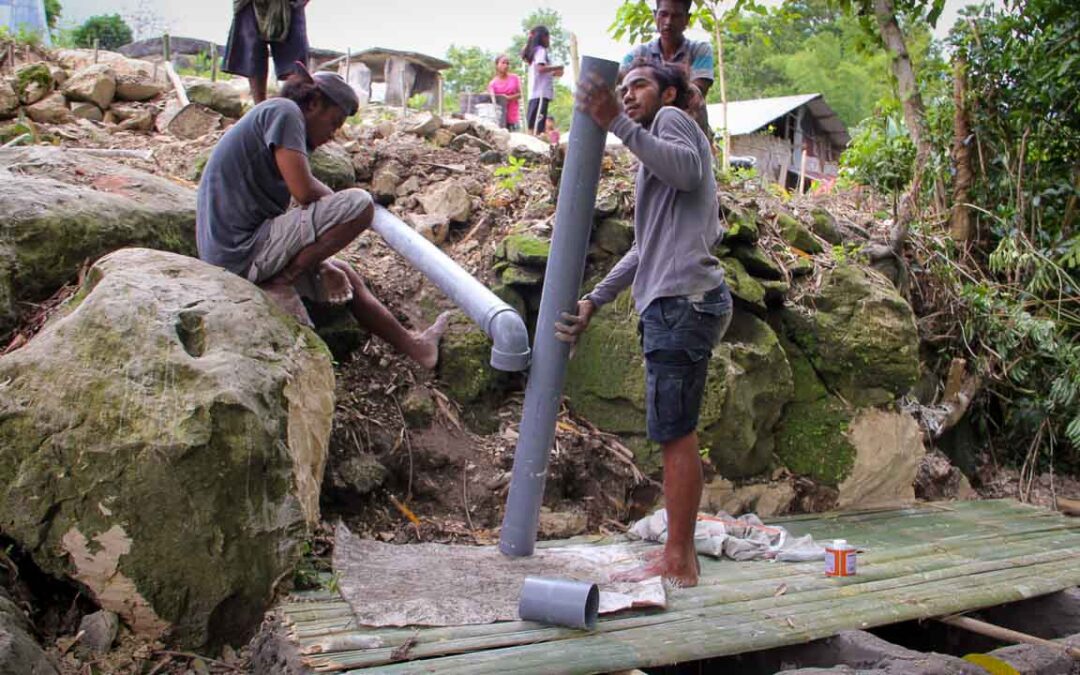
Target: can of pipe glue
[{"x": 840, "y": 559}]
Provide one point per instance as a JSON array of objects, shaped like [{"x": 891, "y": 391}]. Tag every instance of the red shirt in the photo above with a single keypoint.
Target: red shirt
[{"x": 508, "y": 86}]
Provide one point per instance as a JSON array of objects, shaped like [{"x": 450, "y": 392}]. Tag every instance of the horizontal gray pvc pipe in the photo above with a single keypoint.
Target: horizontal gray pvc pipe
[
  {"x": 560, "y": 602},
  {"x": 497, "y": 319},
  {"x": 562, "y": 283}
]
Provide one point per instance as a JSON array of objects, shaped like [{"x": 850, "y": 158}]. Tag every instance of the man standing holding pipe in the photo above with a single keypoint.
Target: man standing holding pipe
[{"x": 677, "y": 284}]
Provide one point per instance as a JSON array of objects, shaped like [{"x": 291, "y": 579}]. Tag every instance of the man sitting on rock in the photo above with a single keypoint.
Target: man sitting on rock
[{"x": 245, "y": 225}]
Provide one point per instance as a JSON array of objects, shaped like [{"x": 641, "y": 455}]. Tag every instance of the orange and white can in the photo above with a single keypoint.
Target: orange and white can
[{"x": 840, "y": 559}]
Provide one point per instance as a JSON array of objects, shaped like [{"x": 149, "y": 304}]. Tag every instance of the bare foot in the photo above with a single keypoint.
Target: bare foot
[
  {"x": 679, "y": 571},
  {"x": 334, "y": 286},
  {"x": 426, "y": 352},
  {"x": 286, "y": 297}
]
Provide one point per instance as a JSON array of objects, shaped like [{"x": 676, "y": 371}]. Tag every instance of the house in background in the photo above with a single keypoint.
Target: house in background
[
  {"x": 402, "y": 75},
  {"x": 777, "y": 131},
  {"x": 25, "y": 15}
]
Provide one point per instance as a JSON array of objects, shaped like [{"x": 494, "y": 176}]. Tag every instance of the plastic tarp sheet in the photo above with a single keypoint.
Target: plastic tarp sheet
[{"x": 447, "y": 585}]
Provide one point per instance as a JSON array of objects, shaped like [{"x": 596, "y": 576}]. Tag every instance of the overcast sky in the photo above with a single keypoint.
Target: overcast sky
[{"x": 427, "y": 26}]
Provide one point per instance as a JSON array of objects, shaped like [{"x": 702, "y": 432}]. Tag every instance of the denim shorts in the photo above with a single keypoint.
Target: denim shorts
[{"x": 678, "y": 335}]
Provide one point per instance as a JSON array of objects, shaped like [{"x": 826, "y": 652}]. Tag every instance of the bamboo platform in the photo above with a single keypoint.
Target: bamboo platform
[{"x": 920, "y": 562}]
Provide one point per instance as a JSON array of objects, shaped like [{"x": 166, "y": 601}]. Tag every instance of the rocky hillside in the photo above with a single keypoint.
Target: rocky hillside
[{"x": 170, "y": 442}]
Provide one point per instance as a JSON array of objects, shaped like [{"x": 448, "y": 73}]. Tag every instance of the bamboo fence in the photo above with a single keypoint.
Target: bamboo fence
[{"x": 916, "y": 563}]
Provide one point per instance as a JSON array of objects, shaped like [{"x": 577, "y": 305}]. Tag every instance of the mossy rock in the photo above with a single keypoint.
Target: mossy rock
[
  {"x": 605, "y": 380},
  {"x": 614, "y": 236},
  {"x": 825, "y": 226},
  {"x": 163, "y": 443},
  {"x": 748, "y": 384},
  {"x": 811, "y": 436},
  {"x": 338, "y": 328},
  {"x": 525, "y": 250},
  {"x": 51, "y": 225},
  {"x": 514, "y": 275},
  {"x": 802, "y": 267},
  {"x": 333, "y": 165},
  {"x": 512, "y": 297},
  {"x": 744, "y": 288},
  {"x": 860, "y": 335},
  {"x": 742, "y": 228},
  {"x": 418, "y": 408},
  {"x": 775, "y": 293},
  {"x": 464, "y": 368},
  {"x": 756, "y": 263},
  {"x": 797, "y": 234},
  {"x": 33, "y": 81}
]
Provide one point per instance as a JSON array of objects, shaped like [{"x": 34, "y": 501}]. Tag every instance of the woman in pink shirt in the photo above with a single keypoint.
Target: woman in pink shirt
[{"x": 507, "y": 84}]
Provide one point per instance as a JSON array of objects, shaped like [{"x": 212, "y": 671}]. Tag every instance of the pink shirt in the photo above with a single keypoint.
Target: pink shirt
[{"x": 507, "y": 87}]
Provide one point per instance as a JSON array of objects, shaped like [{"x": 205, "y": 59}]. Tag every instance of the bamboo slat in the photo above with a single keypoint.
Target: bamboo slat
[{"x": 919, "y": 562}]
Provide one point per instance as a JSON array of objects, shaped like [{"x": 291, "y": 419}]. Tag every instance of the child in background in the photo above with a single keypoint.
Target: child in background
[
  {"x": 507, "y": 84},
  {"x": 552, "y": 131},
  {"x": 541, "y": 77}
]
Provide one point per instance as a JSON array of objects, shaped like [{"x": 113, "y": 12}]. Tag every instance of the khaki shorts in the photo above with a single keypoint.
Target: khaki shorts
[{"x": 283, "y": 237}]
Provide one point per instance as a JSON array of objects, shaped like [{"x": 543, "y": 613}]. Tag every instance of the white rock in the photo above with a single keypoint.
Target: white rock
[
  {"x": 448, "y": 200},
  {"x": 53, "y": 109},
  {"x": 94, "y": 84}
]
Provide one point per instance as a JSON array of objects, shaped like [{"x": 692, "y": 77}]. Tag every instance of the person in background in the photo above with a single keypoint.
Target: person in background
[
  {"x": 244, "y": 224},
  {"x": 279, "y": 25},
  {"x": 552, "y": 131},
  {"x": 671, "y": 46},
  {"x": 507, "y": 84},
  {"x": 542, "y": 76},
  {"x": 676, "y": 281}
]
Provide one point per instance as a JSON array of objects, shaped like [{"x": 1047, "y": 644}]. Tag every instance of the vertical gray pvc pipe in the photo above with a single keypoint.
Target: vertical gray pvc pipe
[{"x": 562, "y": 283}]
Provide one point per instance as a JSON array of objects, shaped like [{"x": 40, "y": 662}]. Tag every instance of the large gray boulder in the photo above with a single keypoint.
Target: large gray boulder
[
  {"x": 59, "y": 209},
  {"x": 163, "y": 441},
  {"x": 94, "y": 84},
  {"x": 220, "y": 97}
]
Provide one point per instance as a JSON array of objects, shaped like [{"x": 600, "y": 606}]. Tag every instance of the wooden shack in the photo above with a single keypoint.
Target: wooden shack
[{"x": 777, "y": 132}]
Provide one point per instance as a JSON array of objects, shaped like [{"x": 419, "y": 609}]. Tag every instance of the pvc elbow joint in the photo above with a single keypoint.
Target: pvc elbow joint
[{"x": 510, "y": 351}]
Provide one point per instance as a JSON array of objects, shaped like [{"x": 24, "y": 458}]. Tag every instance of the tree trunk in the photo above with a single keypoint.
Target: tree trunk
[
  {"x": 914, "y": 114},
  {"x": 960, "y": 227},
  {"x": 725, "y": 150}
]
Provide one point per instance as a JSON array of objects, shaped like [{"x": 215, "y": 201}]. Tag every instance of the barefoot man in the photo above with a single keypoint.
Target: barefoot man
[
  {"x": 677, "y": 284},
  {"x": 245, "y": 225}
]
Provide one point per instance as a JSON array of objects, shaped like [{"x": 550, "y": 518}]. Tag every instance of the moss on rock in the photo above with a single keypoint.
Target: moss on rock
[
  {"x": 861, "y": 336},
  {"x": 811, "y": 436},
  {"x": 174, "y": 418},
  {"x": 525, "y": 249},
  {"x": 756, "y": 263},
  {"x": 797, "y": 234},
  {"x": 742, "y": 228},
  {"x": 743, "y": 286},
  {"x": 333, "y": 165},
  {"x": 614, "y": 236}
]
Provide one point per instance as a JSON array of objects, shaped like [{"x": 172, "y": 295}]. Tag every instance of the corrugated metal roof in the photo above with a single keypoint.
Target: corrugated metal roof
[
  {"x": 746, "y": 117},
  {"x": 376, "y": 57}
]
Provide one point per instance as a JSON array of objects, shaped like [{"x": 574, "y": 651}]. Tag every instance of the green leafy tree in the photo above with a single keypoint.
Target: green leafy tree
[
  {"x": 560, "y": 39},
  {"x": 52, "y": 13},
  {"x": 110, "y": 31},
  {"x": 472, "y": 69}
]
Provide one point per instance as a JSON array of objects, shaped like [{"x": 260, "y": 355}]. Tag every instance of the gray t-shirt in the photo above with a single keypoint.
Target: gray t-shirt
[
  {"x": 241, "y": 187},
  {"x": 676, "y": 213}
]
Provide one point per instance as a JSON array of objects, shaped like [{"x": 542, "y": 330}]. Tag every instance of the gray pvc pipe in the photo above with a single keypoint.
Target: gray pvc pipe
[
  {"x": 496, "y": 318},
  {"x": 562, "y": 283},
  {"x": 560, "y": 602}
]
